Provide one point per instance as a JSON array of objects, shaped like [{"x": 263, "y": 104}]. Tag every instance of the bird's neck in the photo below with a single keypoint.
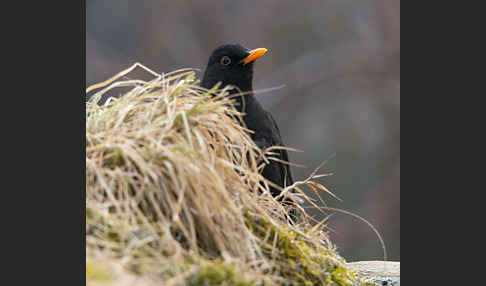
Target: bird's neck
[
  {"x": 250, "y": 107},
  {"x": 244, "y": 102}
]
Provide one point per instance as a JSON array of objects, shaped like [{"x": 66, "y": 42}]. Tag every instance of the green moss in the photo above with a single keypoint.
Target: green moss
[
  {"x": 300, "y": 261},
  {"x": 114, "y": 236},
  {"x": 217, "y": 273},
  {"x": 97, "y": 272},
  {"x": 114, "y": 159},
  {"x": 89, "y": 213}
]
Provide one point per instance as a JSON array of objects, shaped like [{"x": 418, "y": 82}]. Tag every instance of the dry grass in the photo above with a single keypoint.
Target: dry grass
[{"x": 174, "y": 194}]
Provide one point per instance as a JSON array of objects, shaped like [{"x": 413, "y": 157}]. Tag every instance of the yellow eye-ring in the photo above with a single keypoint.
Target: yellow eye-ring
[{"x": 225, "y": 60}]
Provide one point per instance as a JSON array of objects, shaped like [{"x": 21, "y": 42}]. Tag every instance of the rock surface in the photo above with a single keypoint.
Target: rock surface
[{"x": 382, "y": 273}]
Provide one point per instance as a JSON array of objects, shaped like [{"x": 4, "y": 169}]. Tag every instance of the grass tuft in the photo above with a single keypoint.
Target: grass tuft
[{"x": 174, "y": 194}]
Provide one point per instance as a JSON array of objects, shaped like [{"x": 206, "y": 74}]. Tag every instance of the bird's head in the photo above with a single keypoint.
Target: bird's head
[{"x": 231, "y": 65}]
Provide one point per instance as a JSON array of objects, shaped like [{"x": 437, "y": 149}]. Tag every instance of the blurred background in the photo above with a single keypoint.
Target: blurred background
[{"x": 339, "y": 62}]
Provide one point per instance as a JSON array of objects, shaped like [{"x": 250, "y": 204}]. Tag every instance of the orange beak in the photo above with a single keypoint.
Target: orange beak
[{"x": 254, "y": 54}]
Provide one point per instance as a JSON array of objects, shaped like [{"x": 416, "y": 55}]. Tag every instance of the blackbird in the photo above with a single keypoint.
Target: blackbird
[{"x": 233, "y": 65}]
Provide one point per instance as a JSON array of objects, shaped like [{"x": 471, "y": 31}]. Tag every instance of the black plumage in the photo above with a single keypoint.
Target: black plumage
[{"x": 233, "y": 65}]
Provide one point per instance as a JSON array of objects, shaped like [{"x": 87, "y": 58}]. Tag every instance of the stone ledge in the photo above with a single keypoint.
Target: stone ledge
[{"x": 383, "y": 273}]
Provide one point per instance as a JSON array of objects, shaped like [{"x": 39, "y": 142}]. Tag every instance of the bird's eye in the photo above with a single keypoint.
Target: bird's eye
[{"x": 225, "y": 60}]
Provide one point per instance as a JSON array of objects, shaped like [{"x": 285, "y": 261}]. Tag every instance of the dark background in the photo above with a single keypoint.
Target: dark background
[{"x": 340, "y": 63}]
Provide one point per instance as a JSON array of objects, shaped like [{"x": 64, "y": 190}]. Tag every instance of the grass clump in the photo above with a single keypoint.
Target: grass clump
[{"x": 174, "y": 195}]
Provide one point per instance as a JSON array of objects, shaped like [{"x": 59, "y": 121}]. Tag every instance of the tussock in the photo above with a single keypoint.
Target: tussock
[{"x": 174, "y": 194}]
